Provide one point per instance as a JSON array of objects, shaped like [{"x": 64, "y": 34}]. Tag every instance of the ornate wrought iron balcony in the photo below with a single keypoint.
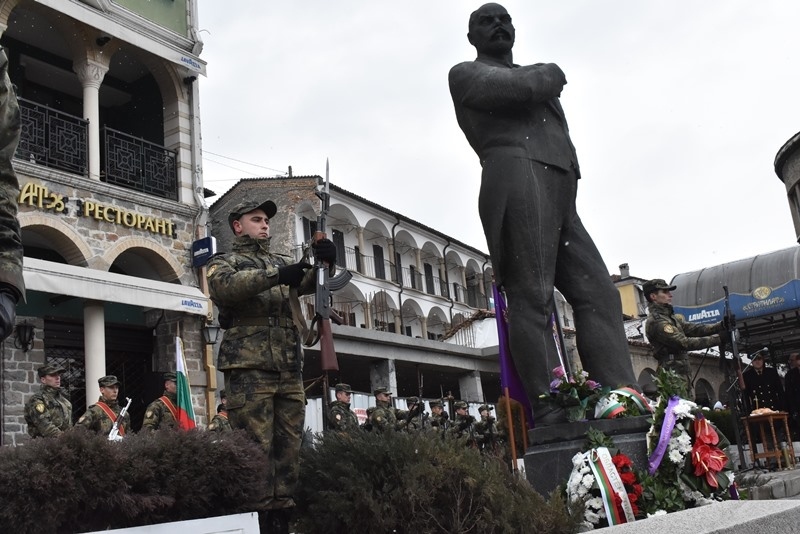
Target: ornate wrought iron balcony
[
  {"x": 141, "y": 165},
  {"x": 52, "y": 138}
]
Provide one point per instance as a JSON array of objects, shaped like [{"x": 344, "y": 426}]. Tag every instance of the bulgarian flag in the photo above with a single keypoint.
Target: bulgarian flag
[{"x": 185, "y": 415}]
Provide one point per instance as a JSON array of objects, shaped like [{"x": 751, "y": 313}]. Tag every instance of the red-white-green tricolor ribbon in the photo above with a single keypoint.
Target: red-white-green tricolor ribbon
[
  {"x": 637, "y": 398},
  {"x": 666, "y": 433},
  {"x": 610, "y": 483}
]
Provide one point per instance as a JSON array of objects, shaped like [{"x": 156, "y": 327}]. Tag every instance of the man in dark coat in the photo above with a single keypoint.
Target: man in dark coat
[{"x": 512, "y": 118}]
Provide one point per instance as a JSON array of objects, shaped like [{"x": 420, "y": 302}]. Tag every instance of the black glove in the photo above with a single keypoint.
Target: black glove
[
  {"x": 8, "y": 312},
  {"x": 729, "y": 322},
  {"x": 292, "y": 275},
  {"x": 324, "y": 250}
]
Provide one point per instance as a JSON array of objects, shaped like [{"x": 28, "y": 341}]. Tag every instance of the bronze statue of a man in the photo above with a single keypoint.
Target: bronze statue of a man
[{"x": 512, "y": 118}]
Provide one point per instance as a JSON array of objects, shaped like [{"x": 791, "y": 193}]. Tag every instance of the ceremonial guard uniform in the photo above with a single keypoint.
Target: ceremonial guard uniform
[
  {"x": 48, "y": 412},
  {"x": 220, "y": 422},
  {"x": 340, "y": 416},
  {"x": 101, "y": 416},
  {"x": 163, "y": 412},
  {"x": 383, "y": 416}
]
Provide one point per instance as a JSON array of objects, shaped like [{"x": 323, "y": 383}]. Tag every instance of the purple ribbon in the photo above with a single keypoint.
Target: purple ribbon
[{"x": 666, "y": 433}]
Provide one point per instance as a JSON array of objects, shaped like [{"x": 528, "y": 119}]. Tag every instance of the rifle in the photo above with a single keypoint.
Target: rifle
[
  {"x": 114, "y": 434},
  {"x": 325, "y": 285},
  {"x": 733, "y": 335}
]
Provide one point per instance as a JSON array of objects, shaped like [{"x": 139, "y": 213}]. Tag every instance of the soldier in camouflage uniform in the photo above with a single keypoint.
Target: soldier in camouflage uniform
[
  {"x": 100, "y": 417},
  {"x": 12, "y": 286},
  {"x": 383, "y": 416},
  {"x": 48, "y": 412},
  {"x": 463, "y": 423},
  {"x": 672, "y": 336},
  {"x": 413, "y": 419},
  {"x": 340, "y": 416},
  {"x": 439, "y": 417},
  {"x": 163, "y": 412},
  {"x": 220, "y": 422},
  {"x": 260, "y": 354},
  {"x": 487, "y": 433}
]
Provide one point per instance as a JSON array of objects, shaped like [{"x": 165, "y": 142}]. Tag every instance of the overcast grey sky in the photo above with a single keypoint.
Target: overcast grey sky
[{"x": 677, "y": 109}]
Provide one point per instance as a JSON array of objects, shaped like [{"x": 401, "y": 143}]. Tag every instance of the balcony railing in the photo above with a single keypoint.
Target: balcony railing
[
  {"x": 140, "y": 165},
  {"x": 52, "y": 139}
]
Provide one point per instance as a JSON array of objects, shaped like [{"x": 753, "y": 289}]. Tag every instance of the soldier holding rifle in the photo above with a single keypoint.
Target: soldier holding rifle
[
  {"x": 260, "y": 354},
  {"x": 101, "y": 416}
]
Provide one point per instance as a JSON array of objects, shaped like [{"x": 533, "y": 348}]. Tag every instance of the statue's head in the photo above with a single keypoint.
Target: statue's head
[{"x": 490, "y": 30}]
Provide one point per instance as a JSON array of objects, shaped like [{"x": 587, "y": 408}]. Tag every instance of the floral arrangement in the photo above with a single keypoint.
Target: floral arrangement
[
  {"x": 574, "y": 391},
  {"x": 687, "y": 464},
  {"x": 604, "y": 487},
  {"x": 622, "y": 402}
]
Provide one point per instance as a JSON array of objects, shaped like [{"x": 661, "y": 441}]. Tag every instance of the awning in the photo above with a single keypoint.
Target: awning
[{"x": 82, "y": 282}]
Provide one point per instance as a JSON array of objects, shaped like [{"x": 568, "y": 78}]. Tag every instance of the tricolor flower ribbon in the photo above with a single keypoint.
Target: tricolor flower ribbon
[
  {"x": 636, "y": 397},
  {"x": 610, "y": 483},
  {"x": 666, "y": 433}
]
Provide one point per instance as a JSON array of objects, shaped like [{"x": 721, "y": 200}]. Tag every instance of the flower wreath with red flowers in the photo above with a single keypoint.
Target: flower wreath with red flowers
[
  {"x": 687, "y": 462},
  {"x": 603, "y": 487}
]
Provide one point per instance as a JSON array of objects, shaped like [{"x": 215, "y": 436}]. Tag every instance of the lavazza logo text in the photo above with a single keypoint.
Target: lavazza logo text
[
  {"x": 705, "y": 314},
  {"x": 191, "y": 303}
]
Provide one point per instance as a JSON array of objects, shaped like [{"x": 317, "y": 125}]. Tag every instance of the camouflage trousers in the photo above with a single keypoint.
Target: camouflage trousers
[
  {"x": 270, "y": 407},
  {"x": 682, "y": 368}
]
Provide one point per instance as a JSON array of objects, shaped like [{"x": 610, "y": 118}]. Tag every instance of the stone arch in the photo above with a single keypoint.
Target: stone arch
[
  {"x": 646, "y": 377},
  {"x": 704, "y": 393},
  {"x": 61, "y": 237},
  {"x": 163, "y": 265}
]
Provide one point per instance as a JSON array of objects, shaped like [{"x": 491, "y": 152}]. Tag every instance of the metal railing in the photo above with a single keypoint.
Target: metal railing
[
  {"x": 52, "y": 138},
  {"x": 140, "y": 165}
]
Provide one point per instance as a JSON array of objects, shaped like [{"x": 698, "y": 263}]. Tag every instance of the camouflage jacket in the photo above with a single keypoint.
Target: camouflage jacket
[
  {"x": 244, "y": 285},
  {"x": 10, "y": 241},
  {"x": 48, "y": 413},
  {"x": 383, "y": 417},
  {"x": 671, "y": 334},
  {"x": 486, "y": 430},
  {"x": 341, "y": 417},
  {"x": 220, "y": 423},
  {"x": 97, "y": 420},
  {"x": 463, "y": 425},
  {"x": 158, "y": 415},
  {"x": 440, "y": 422}
]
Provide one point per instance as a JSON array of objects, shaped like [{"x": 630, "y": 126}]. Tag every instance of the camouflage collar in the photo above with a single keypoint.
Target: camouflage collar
[{"x": 245, "y": 243}]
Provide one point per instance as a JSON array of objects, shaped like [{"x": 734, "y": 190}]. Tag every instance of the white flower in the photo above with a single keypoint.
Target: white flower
[
  {"x": 657, "y": 512},
  {"x": 582, "y": 490},
  {"x": 578, "y": 459},
  {"x": 587, "y": 481},
  {"x": 675, "y": 456},
  {"x": 595, "y": 502},
  {"x": 592, "y": 517}
]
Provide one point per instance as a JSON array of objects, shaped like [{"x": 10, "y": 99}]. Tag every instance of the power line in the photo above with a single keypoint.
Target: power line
[{"x": 245, "y": 162}]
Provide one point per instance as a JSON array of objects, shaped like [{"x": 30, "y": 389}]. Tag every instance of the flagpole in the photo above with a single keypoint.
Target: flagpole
[{"x": 512, "y": 437}]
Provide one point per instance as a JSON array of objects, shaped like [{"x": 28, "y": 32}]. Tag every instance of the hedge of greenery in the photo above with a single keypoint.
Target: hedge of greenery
[
  {"x": 417, "y": 483},
  {"x": 81, "y": 482}
]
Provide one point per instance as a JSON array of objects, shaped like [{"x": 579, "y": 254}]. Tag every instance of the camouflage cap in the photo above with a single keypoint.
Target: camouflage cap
[
  {"x": 382, "y": 390},
  {"x": 50, "y": 369},
  {"x": 268, "y": 206},
  {"x": 412, "y": 400},
  {"x": 109, "y": 380},
  {"x": 651, "y": 286},
  {"x": 343, "y": 387},
  {"x": 460, "y": 404},
  {"x": 170, "y": 376},
  {"x": 485, "y": 407},
  {"x": 435, "y": 403}
]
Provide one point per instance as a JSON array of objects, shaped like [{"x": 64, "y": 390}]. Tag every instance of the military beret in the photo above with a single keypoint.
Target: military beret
[
  {"x": 382, "y": 390},
  {"x": 485, "y": 407},
  {"x": 343, "y": 387},
  {"x": 170, "y": 376},
  {"x": 651, "y": 286},
  {"x": 460, "y": 404},
  {"x": 434, "y": 403},
  {"x": 109, "y": 380},
  {"x": 268, "y": 207},
  {"x": 50, "y": 369},
  {"x": 412, "y": 400}
]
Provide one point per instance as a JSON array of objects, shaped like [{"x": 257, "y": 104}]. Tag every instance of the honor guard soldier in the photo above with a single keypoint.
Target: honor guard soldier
[
  {"x": 383, "y": 416},
  {"x": 162, "y": 412},
  {"x": 100, "y": 417},
  {"x": 439, "y": 417},
  {"x": 220, "y": 423},
  {"x": 340, "y": 416},
  {"x": 672, "y": 336},
  {"x": 463, "y": 423},
  {"x": 48, "y": 412}
]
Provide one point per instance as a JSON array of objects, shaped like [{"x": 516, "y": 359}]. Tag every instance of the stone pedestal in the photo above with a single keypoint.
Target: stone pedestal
[{"x": 548, "y": 460}]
